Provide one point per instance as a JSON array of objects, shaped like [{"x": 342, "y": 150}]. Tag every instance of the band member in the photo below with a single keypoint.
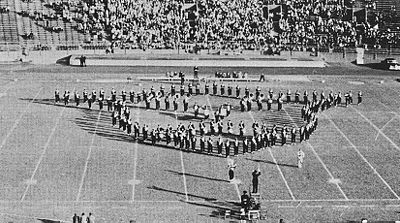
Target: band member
[
  {"x": 297, "y": 97},
  {"x": 245, "y": 145},
  {"x": 237, "y": 91},
  {"x": 113, "y": 95},
  {"x": 288, "y": 95},
  {"x": 209, "y": 145},
  {"x": 206, "y": 89},
  {"x": 57, "y": 96},
  {"x": 85, "y": 95},
  {"x": 132, "y": 96},
  {"x": 359, "y": 98},
  {"x": 173, "y": 90}
]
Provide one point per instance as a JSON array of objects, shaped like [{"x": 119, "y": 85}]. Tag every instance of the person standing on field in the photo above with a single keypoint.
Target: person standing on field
[
  {"x": 256, "y": 174},
  {"x": 300, "y": 158}
]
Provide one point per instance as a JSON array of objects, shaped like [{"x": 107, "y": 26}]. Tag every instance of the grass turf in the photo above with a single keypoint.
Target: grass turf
[{"x": 79, "y": 163}]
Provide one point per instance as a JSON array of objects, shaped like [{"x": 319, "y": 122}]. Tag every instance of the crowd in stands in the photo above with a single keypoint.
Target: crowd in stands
[
  {"x": 4, "y": 9},
  {"x": 229, "y": 25},
  {"x": 269, "y": 25}
]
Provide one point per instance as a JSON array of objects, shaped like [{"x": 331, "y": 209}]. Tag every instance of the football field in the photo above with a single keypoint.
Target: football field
[{"x": 58, "y": 160}]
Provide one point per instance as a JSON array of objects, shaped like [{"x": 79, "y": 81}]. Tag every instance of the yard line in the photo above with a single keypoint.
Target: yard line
[
  {"x": 87, "y": 159},
  {"x": 383, "y": 127},
  {"x": 46, "y": 146},
  {"x": 18, "y": 120},
  {"x": 237, "y": 190},
  {"x": 280, "y": 171},
  {"x": 320, "y": 160},
  {"x": 183, "y": 166},
  {"x": 365, "y": 160},
  {"x": 376, "y": 128},
  {"x": 329, "y": 172},
  {"x": 209, "y": 104},
  {"x": 7, "y": 87},
  {"x": 235, "y": 183},
  {"x": 135, "y": 156},
  {"x": 277, "y": 166},
  {"x": 395, "y": 201}
]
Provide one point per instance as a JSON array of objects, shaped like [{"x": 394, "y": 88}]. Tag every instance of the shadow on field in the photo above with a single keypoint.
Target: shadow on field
[
  {"x": 181, "y": 193},
  {"x": 188, "y": 116},
  {"x": 220, "y": 207},
  {"x": 64, "y": 61},
  {"x": 271, "y": 162},
  {"x": 98, "y": 122},
  {"x": 100, "y": 125},
  {"x": 197, "y": 176},
  {"x": 51, "y": 102},
  {"x": 375, "y": 66},
  {"x": 48, "y": 220}
]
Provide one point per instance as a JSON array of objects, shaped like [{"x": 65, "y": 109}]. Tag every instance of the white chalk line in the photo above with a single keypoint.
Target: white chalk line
[
  {"x": 135, "y": 157},
  {"x": 46, "y": 146},
  {"x": 383, "y": 127},
  {"x": 320, "y": 160},
  {"x": 74, "y": 202},
  {"x": 7, "y": 87},
  {"x": 87, "y": 159},
  {"x": 18, "y": 120},
  {"x": 235, "y": 184},
  {"x": 277, "y": 165},
  {"x": 365, "y": 160},
  {"x": 182, "y": 164},
  {"x": 376, "y": 128}
]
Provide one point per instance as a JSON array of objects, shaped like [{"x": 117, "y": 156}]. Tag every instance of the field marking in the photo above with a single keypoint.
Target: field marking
[
  {"x": 332, "y": 179},
  {"x": 390, "y": 109},
  {"x": 209, "y": 104},
  {"x": 183, "y": 166},
  {"x": 276, "y": 164},
  {"x": 135, "y": 157},
  {"x": 19, "y": 119},
  {"x": 7, "y": 87},
  {"x": 365, "y": 160},
  {"x": 383, "y": 127},
  {"x": 283, "y": 177},
  {"x": 87, "y": 159},
  {"x": 46, "y": 146},
  {"x": 376, "y": 128},
  {"x": 202, "y": 201},
  {"x": 236, "y": 184}
]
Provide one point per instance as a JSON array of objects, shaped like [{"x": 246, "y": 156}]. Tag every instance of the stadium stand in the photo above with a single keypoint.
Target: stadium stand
[
  {"x": 8, "y": 28},
  {"x": 268, "y": 25}
]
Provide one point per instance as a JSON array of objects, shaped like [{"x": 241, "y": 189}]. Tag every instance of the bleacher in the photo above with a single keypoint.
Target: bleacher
[
  {"x": 385, "y": 5},
  {"x": 8, "y": 27},
  {"x": 14, "y": 25}
]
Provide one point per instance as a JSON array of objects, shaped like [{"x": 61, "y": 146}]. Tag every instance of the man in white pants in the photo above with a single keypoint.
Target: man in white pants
[{"x": 300, "y": 158}]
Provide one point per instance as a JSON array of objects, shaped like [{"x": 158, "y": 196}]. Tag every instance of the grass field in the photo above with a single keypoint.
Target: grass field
[{"x": 56, "y": 161}]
